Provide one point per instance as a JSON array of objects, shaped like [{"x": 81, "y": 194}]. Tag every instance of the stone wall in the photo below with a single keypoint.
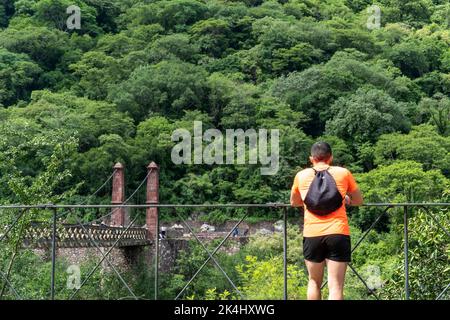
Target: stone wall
[{"x": 123, "y": 258}]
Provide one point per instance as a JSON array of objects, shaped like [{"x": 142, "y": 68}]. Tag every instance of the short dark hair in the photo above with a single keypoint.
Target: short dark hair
[{"x": 321, "y": 151}]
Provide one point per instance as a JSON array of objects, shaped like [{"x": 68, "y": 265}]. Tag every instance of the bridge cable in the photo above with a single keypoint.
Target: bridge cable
[
  {"x": 93, "y": 194},
  {"x": 97, "y": 246},
  {"x": 125, "y": 202}
]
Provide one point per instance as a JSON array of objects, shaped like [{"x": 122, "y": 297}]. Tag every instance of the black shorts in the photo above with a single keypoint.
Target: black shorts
[{"x": 334, "y": 247}]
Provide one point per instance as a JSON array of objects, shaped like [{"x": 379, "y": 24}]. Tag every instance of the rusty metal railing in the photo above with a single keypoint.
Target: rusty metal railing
[{"x": 53, "y": 238}]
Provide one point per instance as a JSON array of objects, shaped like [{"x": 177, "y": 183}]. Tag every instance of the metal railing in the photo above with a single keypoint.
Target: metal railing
[{"x": 54, "y": 238}]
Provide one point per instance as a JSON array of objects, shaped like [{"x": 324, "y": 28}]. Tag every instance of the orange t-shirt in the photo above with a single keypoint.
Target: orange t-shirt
[{"x": 333, "y": 223}]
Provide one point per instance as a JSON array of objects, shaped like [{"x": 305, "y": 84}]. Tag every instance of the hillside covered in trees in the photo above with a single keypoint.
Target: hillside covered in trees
[{"x": 74, "y": 102}]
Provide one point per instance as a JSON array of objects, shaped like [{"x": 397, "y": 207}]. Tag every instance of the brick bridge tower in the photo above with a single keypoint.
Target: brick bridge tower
[
  {"x": 152, "y": 198},
  {"x": 119, "y": 218},
  {"x": 118, "y": 195}
]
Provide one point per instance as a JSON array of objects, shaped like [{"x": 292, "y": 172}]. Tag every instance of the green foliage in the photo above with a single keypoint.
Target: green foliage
[
  {"x": 263, "y": 280},
  {"x": 365, "y": 115},
  {"x": 95, "y": 71},
  {"x": 298, "y": 57},
  {"x": 172, "y": 15},
  {"x": 264, "y": 247},
  {"x": 438, "y": 108},
  {"x": 410, "y": 58},
  {"x": 314, "y": 90},
  {"x": 256, "y": 269},
  {"x": 429, "y": 258},
  {"x": 18, "y": 76},
  {"x": 43, "y": 45},
  {"x": 74, "y": 102},
  {"x": 211, "y": 36},
  {"x": 167, "y": 87},
  {"x": 189, "y": 260},
  {"x": 402, "y": 181},
  {"x": 423, "y": 145},
  {"x": 87, "y": 119},
  {"x": 31, "y": 279},
  {"x": 175, "y": 46},
  {"x": 412, "y": 12}
]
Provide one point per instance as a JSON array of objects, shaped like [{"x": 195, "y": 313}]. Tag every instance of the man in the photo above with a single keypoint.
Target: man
[{"x": 326, "y": 238}]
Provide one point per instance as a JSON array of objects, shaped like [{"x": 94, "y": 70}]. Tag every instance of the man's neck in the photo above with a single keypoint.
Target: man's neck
[{"x": 320, "y": 164}]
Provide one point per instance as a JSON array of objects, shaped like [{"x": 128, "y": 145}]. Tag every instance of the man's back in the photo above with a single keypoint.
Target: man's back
[
  {"x": 335, "y": 222},
  {"x": 326, "y": 238}
]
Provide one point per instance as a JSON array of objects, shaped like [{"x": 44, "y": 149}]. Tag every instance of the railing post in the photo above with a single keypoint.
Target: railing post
[
  {"x": 156, "y": 260},
  {"x": 52, "y": 280},
  {"x": 118, "y": 195},
  {"x": 406, "y": 250},
  {"x": 285, "y": 274}
]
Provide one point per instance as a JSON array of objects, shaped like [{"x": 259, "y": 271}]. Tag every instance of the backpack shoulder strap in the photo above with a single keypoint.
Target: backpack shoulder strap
[{"x": 315, "y": 171}]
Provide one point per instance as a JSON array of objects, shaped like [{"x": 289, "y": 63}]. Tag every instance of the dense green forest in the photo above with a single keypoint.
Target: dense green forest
[{"x": 74, "y": 102}]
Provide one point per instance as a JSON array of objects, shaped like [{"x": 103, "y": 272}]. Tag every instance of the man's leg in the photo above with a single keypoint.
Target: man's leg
[
  {"x": 336, "y": 278},
  {"x": 315, "y": 273}
]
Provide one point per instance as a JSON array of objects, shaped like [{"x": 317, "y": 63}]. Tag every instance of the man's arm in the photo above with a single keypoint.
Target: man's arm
[
  {"x": 354, "y": 198},
  {"x": 296, "y": 199}
]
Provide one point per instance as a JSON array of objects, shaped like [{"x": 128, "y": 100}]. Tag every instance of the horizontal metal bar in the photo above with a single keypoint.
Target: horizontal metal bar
[{"x": 229, "y": 205}]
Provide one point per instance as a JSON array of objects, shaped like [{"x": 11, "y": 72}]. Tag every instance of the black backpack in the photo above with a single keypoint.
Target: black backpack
[{"x": 323, "y": 196}]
